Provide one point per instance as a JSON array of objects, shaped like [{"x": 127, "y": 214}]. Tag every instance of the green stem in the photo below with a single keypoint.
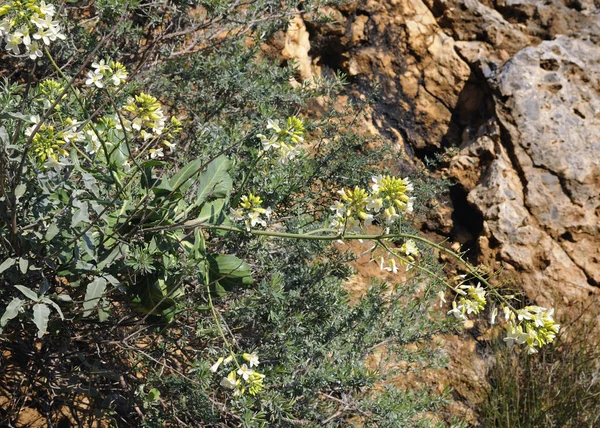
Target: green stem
[
  {"x": 218, "y": 323},
  {"x": 239, "y": 193},
  {"x": 111, "y": 167}
]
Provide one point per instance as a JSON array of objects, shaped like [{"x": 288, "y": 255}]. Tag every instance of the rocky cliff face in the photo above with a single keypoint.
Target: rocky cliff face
[{"x": 514, "y": 86}]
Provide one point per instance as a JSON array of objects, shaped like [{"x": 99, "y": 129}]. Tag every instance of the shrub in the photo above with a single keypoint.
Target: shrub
[{"x": 165, "y": 230}]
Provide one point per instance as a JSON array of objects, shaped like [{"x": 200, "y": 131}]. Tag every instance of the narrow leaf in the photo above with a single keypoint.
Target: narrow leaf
[
  {"x": 30, "y": 294},
  {"x": 6, "y": 264}
]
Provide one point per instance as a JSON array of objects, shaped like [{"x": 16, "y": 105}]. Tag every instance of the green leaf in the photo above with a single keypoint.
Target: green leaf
[
  {"x": 23, "y": 265},
  {"x": 11, "y": 311},
  {"x": 215, "y": 182},
  {"x": 181, "y": 181},
  {"x": 153, "y": 395},
  {"x": 211, "y": 213},
  {"x": 81, "y": 215},
  {"x": 51, "y": 232},
  {"x": 12, "y": 115},
  {"x": 165, "y": 189},
  {"x": 4, "y": 135},
  {"x": 6, "y": 264},
  {"x": 93, "y": 293},
  {"x": 54, "y": 305},
  {"x": 41, "y": 313},
  {"x": 30, "y": 294},
  {"x": 227, "y": 272},
  {"x": 20, "y": 190}
]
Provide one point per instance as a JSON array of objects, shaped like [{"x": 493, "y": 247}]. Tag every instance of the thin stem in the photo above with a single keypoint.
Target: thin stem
[{"x": 236, "y": 200}]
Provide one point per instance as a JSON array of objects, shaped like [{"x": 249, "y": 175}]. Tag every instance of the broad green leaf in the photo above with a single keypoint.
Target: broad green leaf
[
  {"x": 23, "y": 265},
  {"x": 229, "y": 271},
  {"x": 4, "y": 135},
  {"x": 13, "y": 115},
  {"x": 81, "y": 215},
  {"x": 7, "y": 263},
  {"x": 211, "y": 213},
  {"x": 30, "y": 294},
  {"x": 215, "y": 182},
  {"x": 165, "y": 189},
  {"x": 111, "y": 257},
  {"x": 11, "y": 311},
  {"x": 181, "y": 181},
  {"x": 148, "y": 180},
  {"x": 20, "y": 190},
  {"x": 54, "y": 305},
  {"x": 41, "y": 313},
  {"x": 153, "y": 395},
  {"x": 51, "y": 232},
  {"x": 93, "y": 293}
]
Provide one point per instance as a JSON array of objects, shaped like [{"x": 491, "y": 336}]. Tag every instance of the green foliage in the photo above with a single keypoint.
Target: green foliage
[
  {"x": 128, "y": 155},
  {"x": 558, "y": 388}
]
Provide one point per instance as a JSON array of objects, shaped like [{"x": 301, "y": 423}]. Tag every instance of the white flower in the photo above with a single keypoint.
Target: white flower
[
  {"x": 442, "y": 297},
  {"x": 46, "y": 9},
  {"x": 339, "y": 208},
  {"x": 392, "y": 266},
  {"x": 375, "y": 186},
  {"x": 5, "y": 26},
  {"x": 390, "y": 215},
  {"x": 236, "y": 214},
  {"x": 274, "y": 125},
  {"x": 229, "y": 382},
  {"x": 156, "y": 153},
  {"x": 269, "y": 143},
  {"x": 493, "y": 316},
  {"x": 95, "y": 79},
  {"x": 457, "y": 311},
  {"x": 245, "y": 372},
  {"x": 118, "y": 77},
  {"x": 13, "y": 42},
  {"x": 34, "y": 120},
  {"x": 44, "y": 34},
  {"x": 101, "y": 66},
  {"x": 374, "y": 204},
  {"x": 216, "y": 365},
  {"x": 34, "y": 50},
  {"x": 252, "y": 359},
  {"x": 255, "y": 219}
]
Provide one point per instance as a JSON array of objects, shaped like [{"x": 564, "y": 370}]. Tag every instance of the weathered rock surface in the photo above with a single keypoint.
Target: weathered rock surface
[
  {"x": 514, "y": 87},
  {"x": 539, "y": 195}
]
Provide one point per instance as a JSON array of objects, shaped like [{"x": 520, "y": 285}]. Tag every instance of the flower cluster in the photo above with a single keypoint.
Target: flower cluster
[
  {"x": 358, "y": 208},
  {"x": 28, "y": 25},
  {"x": 284, "y": 140},
  {"x": 244, "y": 378},
  {"x": 113, "y": 72},
  {"x": 532, "y": 326},
  {"x": 46, "y": 143},
  {"x": 251, "y": 212},
  {"x": 471, "y": 301},
  {"x": 146, "y": 116}
]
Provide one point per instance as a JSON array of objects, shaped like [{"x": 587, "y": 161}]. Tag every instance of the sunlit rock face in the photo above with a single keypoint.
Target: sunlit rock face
[{"x": 514, "y": 85}]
